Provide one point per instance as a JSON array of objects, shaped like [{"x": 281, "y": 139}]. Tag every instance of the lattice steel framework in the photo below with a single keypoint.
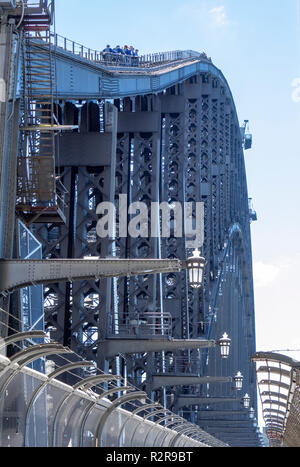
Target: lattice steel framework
[
  {"x": 177, "y": 145},
  {"x": 181, "y": 145}
]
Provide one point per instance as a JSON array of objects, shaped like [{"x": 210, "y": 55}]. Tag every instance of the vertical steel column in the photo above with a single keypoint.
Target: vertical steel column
[
  {"x": 138, "y": 175},
  {"x": 91, "y": 301},
  {"x": 173, "y": 191},
  {"x": 9, "y": 128},
  {"x": 80, "y": 310}
]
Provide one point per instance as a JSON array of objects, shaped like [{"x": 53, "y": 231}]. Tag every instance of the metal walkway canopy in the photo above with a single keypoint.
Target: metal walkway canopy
[
  {"x": 278, "y": 378},
  {"x": 93, "y": 411}
]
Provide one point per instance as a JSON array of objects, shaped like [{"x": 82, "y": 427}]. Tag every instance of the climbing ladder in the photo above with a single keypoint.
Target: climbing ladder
[{"x": 38, "y": 198}]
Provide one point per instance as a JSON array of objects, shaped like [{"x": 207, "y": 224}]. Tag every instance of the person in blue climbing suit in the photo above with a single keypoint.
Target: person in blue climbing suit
[
  {"x": 136, "y": 57},
  {"x": 120, "y": 53},
  {"x": 133, "y": 55},
  {"x": 127, "y": 53},
  {"x": 108, "y": 53}
]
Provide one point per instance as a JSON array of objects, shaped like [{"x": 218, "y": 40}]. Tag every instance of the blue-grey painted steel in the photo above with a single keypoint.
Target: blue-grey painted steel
[
  {"x": 171, "y": 134},
  {"x": 79, "y": 79},
  {"x": 140, "y": 151},
  {"x": 197, "y": 128},
  {"x": 31, "y": 298}
]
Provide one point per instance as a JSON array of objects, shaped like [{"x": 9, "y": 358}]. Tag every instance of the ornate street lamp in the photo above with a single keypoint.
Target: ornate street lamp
[
  {"x": 251, "y": 413},
  {"x": 195, "y": 267},
  {"x": 224, "y": 344},
  {"x": 238, "y": 379},
  {"x": 246, "y": 401}
]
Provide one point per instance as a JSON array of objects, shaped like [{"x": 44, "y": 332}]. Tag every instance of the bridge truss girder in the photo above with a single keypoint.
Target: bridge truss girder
[{"x": 180, "y": 145}]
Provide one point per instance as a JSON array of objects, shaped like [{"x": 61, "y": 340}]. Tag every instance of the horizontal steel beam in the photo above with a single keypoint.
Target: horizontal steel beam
[
  {"x": 236, "y": 436},
  {"x": 234, "y": 431},
  {"x": 227, "y": 423},
  {"x": 183, "y": 401},
  {"x": 159, "y": 381},
  {"x": 15, "y": 274},
  {"x": 211, "y": 413},
  {"x": 112, "y": 347},
  {"x": 236, "y": 441},
  {"x": 243, "y": 443}
]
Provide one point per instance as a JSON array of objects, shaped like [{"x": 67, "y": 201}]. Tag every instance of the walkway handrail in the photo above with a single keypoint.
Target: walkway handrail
[
  {"x": 117, "y": 59},
  {"x": 69, "y": 395}
]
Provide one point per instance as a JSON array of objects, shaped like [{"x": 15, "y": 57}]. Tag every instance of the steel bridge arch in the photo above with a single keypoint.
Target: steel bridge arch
[
  {"x": 166, "y": 132},
  {"x": 174, "y": 113},
  {"x": 234, "y": 230}
]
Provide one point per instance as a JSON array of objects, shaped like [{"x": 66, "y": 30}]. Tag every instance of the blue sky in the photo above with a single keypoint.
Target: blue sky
[{"x": 257, "y": 46}]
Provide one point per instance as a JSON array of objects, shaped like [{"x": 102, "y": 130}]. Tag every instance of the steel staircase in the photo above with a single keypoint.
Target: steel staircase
[{"x": 38, "y": 199}]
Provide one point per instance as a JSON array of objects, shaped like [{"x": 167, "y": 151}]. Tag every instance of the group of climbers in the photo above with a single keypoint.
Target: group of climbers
[
  {"x": 128, "y": 56},
  {"x": 121, "y": 55}
]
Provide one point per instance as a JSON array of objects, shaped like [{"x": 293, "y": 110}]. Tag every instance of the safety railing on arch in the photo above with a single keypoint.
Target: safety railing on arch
[
  {"x": 178, "y": 364},
  {"x": 141, "y": 325},
  {"x": 120, "y": 60}
]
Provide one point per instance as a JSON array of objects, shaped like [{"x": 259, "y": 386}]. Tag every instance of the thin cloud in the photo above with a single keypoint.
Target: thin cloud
[
  {"x": 219, "y": 16},
  {"x": 196, "y": 12},
  {"x": 285, "y": 268},
  {"x": 265, "y": 274}
]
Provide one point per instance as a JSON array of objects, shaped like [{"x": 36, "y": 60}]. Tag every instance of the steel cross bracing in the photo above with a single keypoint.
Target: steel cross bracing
[{"x": 181, "y": 143}]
